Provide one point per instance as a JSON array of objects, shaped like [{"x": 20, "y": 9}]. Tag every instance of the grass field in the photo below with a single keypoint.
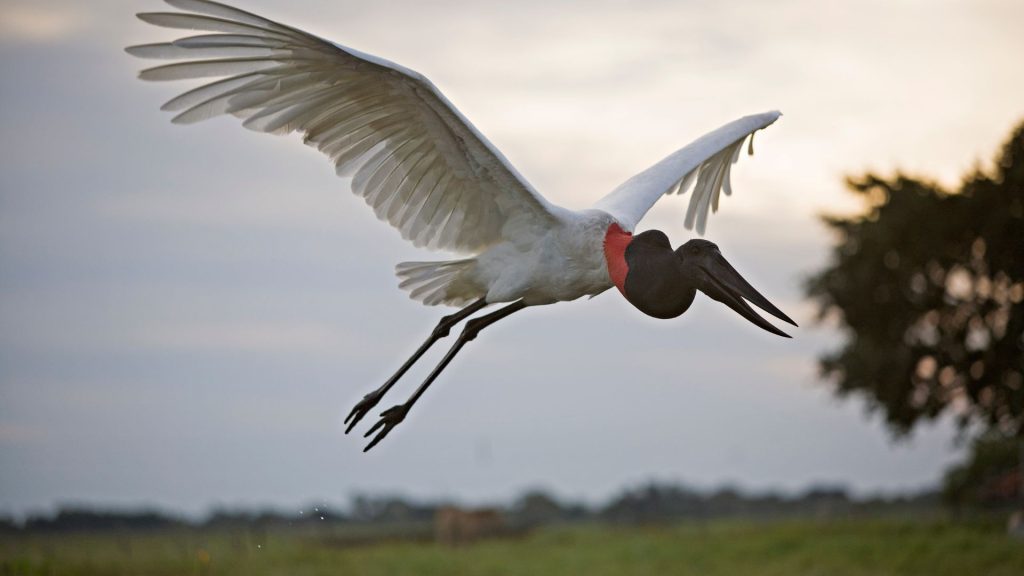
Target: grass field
[{"x": 833, "y": 548}]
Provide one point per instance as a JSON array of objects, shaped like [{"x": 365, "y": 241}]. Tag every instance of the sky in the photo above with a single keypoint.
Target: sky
[{"x": 187, "y": 313}]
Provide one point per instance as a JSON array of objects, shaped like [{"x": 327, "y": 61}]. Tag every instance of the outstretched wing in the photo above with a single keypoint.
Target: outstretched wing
[
  {"x": 703, "y": 164},
  {"x": 411, "y": 155}
]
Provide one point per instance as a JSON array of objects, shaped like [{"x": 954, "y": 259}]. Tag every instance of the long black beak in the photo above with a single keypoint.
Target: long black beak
[{"x": 724, "y": 283}]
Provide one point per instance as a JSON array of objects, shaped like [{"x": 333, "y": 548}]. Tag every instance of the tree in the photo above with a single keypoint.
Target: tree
[
  {"x": 928, "y": 286},
  {"x": 536, "y": 507},
  {"x": 989, "y": 477}
]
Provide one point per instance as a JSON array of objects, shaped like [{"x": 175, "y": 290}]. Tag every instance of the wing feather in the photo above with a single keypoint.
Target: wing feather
[
  {"x": 175, "y": 51},
  {"x": 704, "y": 164},
  {"x": 183, "y": 21},
  {"x": 417, "y": 162}
]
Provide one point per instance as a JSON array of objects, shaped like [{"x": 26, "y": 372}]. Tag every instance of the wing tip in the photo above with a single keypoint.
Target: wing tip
[
  {"x": 143, "y": 50},
  {"x": 148, "y": 17},
  {"x": 766, "y": 119}
]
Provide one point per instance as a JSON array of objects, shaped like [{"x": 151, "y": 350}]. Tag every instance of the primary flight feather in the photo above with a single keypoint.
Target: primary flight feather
[{"x": 427, "y": 171}]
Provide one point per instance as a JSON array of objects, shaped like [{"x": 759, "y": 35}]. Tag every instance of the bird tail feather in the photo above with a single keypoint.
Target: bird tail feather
[{"x": 434, "y": 283}]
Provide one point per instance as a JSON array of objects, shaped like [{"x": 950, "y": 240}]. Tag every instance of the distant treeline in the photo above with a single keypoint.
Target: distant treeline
[{"x": 646, "y": 504}]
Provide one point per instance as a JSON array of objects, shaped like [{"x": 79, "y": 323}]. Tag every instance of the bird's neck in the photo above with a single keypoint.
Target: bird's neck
[{"x": 615, "y": 242}]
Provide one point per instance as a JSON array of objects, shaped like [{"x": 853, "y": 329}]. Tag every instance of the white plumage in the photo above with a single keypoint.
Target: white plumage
[
  {"x": 703, "y": 164},
  {"x": 412, "y": 156}
]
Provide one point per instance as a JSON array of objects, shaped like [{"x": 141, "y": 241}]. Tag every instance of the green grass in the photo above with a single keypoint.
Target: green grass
[{"x": 789, "y": 548}]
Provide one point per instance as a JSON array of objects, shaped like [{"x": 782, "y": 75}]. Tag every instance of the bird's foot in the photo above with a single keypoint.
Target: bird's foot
[
  {"x": 362, "y": 408},
  {"x": 388, "y": 420}
]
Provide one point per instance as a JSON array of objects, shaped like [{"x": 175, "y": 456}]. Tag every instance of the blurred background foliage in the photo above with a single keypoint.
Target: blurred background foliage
[{"x": 928, "y": 288}]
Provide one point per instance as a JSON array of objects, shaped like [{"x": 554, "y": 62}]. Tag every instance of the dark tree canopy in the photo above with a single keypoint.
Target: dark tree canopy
[
  {"x": 989, "y": 477},
  {"x": 928, "y": 286}
]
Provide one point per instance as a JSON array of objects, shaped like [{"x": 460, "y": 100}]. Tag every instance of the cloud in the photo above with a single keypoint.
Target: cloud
[
  {"x": 274, "y": 338},
  {"x": 31, "y": 22},
  {"x": 12, "y": 433}
]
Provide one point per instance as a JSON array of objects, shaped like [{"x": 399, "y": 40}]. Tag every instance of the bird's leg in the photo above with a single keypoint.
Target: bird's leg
[
  {"x": 394, "y": 415},
  {"x": 440, "y": 331}
]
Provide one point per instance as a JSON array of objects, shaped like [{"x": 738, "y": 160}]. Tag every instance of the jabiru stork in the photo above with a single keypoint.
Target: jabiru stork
[{"x": 427, "y": 171}]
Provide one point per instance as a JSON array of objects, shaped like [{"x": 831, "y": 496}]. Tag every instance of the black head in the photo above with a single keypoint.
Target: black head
[
  {"x": 655, "y": 282},
  {"x": 663, "y": 283},
  {"x": 696, "y": 248}
]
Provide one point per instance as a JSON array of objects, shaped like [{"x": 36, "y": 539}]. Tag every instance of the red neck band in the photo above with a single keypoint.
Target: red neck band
[{"x": 615, "y": 241}]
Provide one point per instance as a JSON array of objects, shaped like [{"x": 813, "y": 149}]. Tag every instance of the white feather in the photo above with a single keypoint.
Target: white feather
[
  {"x": 385, "y": 124},
  {"x": 709, "y": 159}
]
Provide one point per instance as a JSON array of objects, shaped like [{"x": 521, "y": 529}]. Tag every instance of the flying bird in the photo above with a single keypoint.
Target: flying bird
[{"x": 427, "y": 171}]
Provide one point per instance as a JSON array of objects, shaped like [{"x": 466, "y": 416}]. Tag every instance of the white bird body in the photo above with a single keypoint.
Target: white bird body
[
  {"x": 563, "y": 263},
  {"x": 426, "y": 170}
]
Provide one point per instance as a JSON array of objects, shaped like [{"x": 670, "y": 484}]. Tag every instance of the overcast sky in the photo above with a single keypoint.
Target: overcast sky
[{"x": 187, "y": 313}]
